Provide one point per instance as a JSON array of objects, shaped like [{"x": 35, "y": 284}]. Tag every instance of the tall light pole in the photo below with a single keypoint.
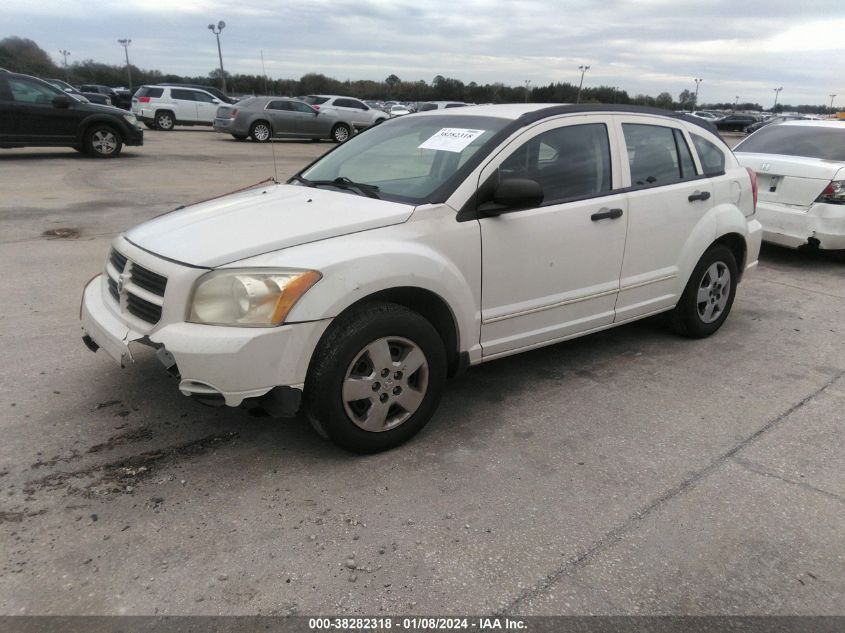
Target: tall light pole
[
  {"x": 583, "y": 70},
  {"x": 697, "y": 81},
  {"x": 125, "y": 44},
  {"x": 777, "y": 92},
  {"x": 64, "y": 53},
  {"x": 832, "y": 97},
  {"x": 736, "y": 101},
  {"x": 220, "y": 26},
  {"x": 527, "y": 89}
]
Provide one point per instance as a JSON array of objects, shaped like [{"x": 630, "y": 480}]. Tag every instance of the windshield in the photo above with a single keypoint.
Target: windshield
[
  {"x": 797, "y": 140},
  {"x": 409, "y": 158}
]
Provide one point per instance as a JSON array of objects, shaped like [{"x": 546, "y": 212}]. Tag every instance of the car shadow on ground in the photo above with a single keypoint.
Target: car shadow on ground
[
  {"x": 9, "y": 155},
  {"x": 803, "y": 258}
]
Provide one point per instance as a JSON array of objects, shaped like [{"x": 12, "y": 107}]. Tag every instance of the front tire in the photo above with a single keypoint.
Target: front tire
[
  {"x": 376, "y": 378},
  {"x": 102, "y": 141},
  {"x": 340, "y": 133},
  {"x": 260, "y": 132},
  {"x": 708, "y": 296},
  {"x": 239, "y": 137}
]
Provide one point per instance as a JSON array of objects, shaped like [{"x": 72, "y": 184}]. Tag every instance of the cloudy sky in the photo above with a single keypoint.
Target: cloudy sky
[{"x": 739, "y": 48}]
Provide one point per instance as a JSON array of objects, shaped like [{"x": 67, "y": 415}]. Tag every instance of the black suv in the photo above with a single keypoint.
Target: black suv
[{"x": 35, "y": 113}]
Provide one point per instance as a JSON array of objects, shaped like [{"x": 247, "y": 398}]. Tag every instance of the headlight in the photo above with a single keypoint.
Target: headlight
[
  {"x": 130, "y": 119},
  {"x": 250, "y": 297}
]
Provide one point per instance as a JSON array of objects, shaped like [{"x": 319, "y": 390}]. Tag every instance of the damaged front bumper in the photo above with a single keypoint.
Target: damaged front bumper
[{"x": 214, "y": 364}]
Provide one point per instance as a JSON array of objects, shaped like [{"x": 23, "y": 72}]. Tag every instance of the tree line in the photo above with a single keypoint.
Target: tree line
[{"x": 25, "y": 56}]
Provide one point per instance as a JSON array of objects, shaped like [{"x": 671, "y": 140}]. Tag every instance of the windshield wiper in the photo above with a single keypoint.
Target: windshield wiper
[{"x": 342, "y": 182}]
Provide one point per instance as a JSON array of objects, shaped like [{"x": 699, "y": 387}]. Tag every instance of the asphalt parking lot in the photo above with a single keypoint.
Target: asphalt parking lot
[{"x": 628, "y": 472}]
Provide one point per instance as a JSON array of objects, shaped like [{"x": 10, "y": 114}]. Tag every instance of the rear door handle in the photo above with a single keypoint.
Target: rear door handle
[
  {"x": 606, "y": 214},
  {"x": 699, "y": 195}
]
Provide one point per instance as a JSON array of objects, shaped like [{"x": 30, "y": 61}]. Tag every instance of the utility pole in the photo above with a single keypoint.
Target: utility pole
[
  {"x": 527, "y": 89},
  {"x": 777, "y": 92},
  {"x": 125, "y": 44},
  {"x": 220, "y": 26},
  {"x": 264, "y": 71},
  {"x": 64, "y": 53},
  {"x": 583, "y": 70},
  {"x": 832, "y": 97},
  {"x": 697, "y": 81}
]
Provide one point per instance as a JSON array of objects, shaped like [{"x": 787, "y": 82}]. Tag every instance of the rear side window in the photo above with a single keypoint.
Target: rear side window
[
  {"x": 568, "y": 162},
  {"x": 711, "y": 157},
  {"x": 154, "y": 93},
  {"x": 182, "y": 95},
  {"x": 656, "y": 156},
  {"x": 349, "y": 103},
  {"x": 455, "y": 105},
  {"x": 279, "y": 105}
]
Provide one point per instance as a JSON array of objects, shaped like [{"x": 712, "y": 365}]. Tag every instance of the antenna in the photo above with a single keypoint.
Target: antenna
[{"x": 270, "y": 140}]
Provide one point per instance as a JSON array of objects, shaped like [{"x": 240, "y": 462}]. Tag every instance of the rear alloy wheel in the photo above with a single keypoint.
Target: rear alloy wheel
[
  {"x": 164, "y": 121},
  {"x": 260, "y": 131},
  {"x": 102, "y": 141},
  {"x": 340, "y": 133},
  {"x": 376, "y": 378},
  {"x": 709, "y": 295}
]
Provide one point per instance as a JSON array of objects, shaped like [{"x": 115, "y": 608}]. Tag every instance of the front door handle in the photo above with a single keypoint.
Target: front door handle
[
  {"x": 699, "y": 195},
  {"x": 606, "y": 214}
]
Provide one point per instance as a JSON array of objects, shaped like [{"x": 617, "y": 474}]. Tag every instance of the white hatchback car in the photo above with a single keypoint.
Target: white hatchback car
[
  {"x": 423, "y": 246},
  {"x": 163, "y": 107},
  {"x": 801, "y": 171}
]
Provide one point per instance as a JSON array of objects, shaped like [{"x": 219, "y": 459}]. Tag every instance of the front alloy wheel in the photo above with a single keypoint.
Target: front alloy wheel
[
  {"x": 385, "y": 384},
  {"x": 376, "y": 377}
]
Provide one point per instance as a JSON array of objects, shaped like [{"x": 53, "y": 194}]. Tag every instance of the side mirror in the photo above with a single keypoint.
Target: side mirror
[
  {"x": 61, "y": 101},
  {"x": 513, "y": 194},
  {"x": 215, "y": 101}
]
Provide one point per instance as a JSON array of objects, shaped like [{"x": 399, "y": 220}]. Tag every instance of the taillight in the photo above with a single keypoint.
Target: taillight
[
  {"x": 316, "y": 107},
  {"x": 144, "y": 99},
  {"x": 234, "y": 112},
  {"x": 753, "y": 175},
  {"x": 834, "y": 193}
]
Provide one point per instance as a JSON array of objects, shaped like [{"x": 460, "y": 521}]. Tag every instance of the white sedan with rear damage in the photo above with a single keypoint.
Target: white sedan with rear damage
[
  {"x": 427, "y": 244},
  {"x": 800, "y": 169}
]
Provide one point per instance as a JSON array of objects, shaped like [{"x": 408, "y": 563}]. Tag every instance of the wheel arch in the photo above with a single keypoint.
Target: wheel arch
[
  {"x": 736, "y": 243},
  {"x": 432, "y": 307},
  {"x": 97, "y": 119}
]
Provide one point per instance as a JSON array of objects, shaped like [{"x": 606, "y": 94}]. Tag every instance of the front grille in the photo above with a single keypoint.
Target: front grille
[
  {"x": 117, "y": 260},
  {"x": 113, "y": 289},
  {"x": 148, "y": 280},
  {"x": 139, "y": 278},
  {"x": 143, "y": 309}
]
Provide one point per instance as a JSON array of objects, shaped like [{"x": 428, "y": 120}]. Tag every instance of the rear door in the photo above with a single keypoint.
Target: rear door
[
  {"x": 184, "y": 104},
  {"x": 206, "y": 106},
  {"x": 668, "y": 196},
  {"x": 354, "y": 111}
]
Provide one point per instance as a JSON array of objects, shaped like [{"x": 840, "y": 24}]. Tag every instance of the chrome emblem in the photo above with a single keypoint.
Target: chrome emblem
[
  {"x": 765, "y": 167},
  {"x": 121, "y": 280}
]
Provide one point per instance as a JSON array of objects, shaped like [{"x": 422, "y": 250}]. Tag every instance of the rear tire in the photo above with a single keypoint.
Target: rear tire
[
  {"x": 261, "y": 132},
  {"x": 392, "y": 358},
  {"x": 102, "y": 141},
  {"x": 165, "y": 121},
  {"x": 708, "y": 296},
  {"x": 340, "y": 133}
]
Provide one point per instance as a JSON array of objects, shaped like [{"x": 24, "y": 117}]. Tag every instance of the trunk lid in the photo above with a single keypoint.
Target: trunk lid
[{"x": 791, "y": 180}]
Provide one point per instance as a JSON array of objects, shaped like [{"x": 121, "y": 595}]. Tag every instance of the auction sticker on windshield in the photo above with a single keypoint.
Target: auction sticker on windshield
[{"x": 451, "y": 139}]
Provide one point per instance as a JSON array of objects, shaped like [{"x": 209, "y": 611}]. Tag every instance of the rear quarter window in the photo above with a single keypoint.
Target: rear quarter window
[{"x": 712, "y": 158}]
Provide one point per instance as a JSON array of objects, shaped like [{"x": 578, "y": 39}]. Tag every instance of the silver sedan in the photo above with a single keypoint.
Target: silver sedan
[{"x": 265, "y": 118}]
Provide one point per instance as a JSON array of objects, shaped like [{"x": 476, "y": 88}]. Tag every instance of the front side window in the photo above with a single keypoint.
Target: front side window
[
  {"x": 568, "y": 162},
  {"x": 411, "y": 159},
  {"x": 657, "y": 155},
  {"x": 203, "y": 97},
  {"x": 29, "y": 91},
  {"x": 301, "y": 107},
  {"x": 711, "y": 157}
]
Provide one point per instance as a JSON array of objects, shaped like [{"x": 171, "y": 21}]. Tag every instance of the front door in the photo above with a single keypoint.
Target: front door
[
  {"x": 669, "y": 197},
  {"x": 206, "y": 107},
  {"x": 552, "y": 272},
  {"x": 34, "y": 117}
]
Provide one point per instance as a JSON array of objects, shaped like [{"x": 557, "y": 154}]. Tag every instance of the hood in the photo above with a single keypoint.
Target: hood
[
  {"x": 261, "y": 220},
  {"x": 90, "y": 106}
]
